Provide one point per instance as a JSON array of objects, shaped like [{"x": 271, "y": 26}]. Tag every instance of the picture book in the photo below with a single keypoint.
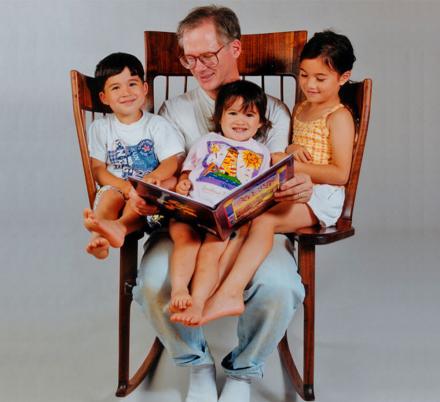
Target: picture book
[{"x": 244, "y": 203}]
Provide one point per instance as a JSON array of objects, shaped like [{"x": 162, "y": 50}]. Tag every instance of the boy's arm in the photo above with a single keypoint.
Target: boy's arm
[
  {"x": 166, "y": 169},
  {"x": 104, "y": 177}
]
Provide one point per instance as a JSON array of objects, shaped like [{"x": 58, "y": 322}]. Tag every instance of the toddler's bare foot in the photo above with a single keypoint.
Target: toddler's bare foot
[
  {"x": 180, "y": 301},
  {"x": 113, "y": 231},
  {"x": 190, "y": 317},
  {"x": 98, "y": 247},
  {"x": 222, "y": 304}
]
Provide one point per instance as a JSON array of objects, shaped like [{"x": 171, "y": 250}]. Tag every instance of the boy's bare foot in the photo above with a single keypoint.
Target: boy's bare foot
[
  {"x": 180, "y": 301},
  {"x": 222, "y": 304},
  {"x": 190, "y": 317},
  {"x": 113, "y": 231},
  {"x": 98, "y": 247}
]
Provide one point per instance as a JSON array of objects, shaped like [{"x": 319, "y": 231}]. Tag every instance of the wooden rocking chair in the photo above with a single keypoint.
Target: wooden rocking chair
[{"x": 263, "y": 55}]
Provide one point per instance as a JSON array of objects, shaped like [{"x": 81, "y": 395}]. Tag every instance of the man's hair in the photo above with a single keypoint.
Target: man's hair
[
  {"x": 114, "y": 64},
  {"x": 224, "y": 19},
  {"x": 252, "y": 96}
]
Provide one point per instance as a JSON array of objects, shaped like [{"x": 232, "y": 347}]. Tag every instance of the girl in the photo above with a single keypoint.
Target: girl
[
  {"x": 323, "y": 134},
  {"x": 215, "y": 165}
]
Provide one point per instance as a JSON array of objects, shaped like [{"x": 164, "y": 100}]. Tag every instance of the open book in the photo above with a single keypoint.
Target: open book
[{"x": 241, "y": 205}]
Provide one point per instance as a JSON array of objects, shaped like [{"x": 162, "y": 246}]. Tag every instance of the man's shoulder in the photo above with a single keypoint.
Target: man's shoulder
[
  {"x": 275, "y": 104},
  {"x": 186, "y": 99}
]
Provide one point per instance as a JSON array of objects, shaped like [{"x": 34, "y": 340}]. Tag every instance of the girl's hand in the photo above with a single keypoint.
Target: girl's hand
[
  {"x": 183, "y": 186},
  {"x": 139, "y": 205},
  {"x": 298, "y": 189},
  {"x": 299, "y": 153},
  {"x": 277, "y": 156}
]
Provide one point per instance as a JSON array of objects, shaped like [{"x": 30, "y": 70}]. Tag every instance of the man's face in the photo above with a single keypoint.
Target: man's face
[{"x": 203, "y": 39}]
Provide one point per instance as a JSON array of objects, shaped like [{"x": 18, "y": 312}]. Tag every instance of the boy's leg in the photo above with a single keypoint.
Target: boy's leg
[
  {"x": 108, "y": 204},
  {"x": 205, "y": 280},
  {"x": 284, "y": 217},
  {"x": 106, "y": 222},
  {"x": 182, "y": 263}
]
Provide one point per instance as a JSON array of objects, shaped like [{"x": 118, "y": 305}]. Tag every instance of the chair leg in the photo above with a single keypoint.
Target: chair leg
[
  {"x": 306, "y": 262},
  {"x": 128, "y": 271},
  {"x": 303, "y": 386}
]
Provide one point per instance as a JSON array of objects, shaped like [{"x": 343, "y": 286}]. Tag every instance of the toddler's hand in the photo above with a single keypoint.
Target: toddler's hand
[
  {"x": 277, "y": 156},
  {"x": 299, "y": 153},
  {"x": 183, "y": 186}
]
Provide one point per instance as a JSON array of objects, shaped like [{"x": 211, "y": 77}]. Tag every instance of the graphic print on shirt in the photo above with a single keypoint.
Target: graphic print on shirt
[
  {"x": 133, "y": 160},
  {"x": 227, "y": 166}
]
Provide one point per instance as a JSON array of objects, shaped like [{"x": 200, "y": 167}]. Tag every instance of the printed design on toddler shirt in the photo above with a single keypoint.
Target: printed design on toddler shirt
[
  {"x": 133, "y": 160},
  {"x": 227, "y": 166}
]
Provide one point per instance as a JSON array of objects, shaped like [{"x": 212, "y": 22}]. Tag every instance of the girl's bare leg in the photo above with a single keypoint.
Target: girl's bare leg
[
  {"x": 205, "y": 280},
  {"x": 182, "y": 264},
  {"x": 283, "y": 218}
]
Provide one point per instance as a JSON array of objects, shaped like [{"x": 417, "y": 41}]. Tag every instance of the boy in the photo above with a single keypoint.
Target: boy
[{"x": 129, "y": 142}]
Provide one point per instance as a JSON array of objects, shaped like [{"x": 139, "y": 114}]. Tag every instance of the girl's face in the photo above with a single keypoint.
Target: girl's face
[
  {"x": 237, "y": 124},
  {"x": 320, "y": 83}
]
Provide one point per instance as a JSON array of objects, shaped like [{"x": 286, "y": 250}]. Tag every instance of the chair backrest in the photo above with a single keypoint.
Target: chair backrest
[
  {"x": 263, "y": 55},
  {"x": 359, "y": 99},
  {"x": 85, "y": 104}
]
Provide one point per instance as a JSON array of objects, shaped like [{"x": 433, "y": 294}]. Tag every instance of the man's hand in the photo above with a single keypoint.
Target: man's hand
[
  {"x": 299, "y": 153},
  {"x": 139, "y": 205},
  {"x": 298, "y": 189},
  {"x": 183, "y": 186}
]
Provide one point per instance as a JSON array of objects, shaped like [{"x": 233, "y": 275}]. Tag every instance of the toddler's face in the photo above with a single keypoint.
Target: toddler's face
[
  {"x": 125, "y": 94},
  {"x": 238, "y": 124}
]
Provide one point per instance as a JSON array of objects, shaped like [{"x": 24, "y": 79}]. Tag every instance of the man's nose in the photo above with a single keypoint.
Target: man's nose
[{"x": 199, "y": 66}]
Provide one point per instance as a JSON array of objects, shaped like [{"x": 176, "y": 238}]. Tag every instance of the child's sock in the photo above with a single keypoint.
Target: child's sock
[
  {"x": 202, "y": 385},
  {"x": 236, "y": 390}
]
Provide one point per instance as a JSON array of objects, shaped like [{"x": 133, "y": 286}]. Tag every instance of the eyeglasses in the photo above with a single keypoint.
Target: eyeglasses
[{"x": 208, "y": 59}]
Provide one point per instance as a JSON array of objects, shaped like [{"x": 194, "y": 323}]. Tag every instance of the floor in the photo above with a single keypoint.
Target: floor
[{"x": 376, "y": 335}]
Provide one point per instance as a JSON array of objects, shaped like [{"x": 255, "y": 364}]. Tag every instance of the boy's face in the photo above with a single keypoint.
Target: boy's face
[
  {"x": 125, "y": 95},
  {"x": 238, "y": 124}
]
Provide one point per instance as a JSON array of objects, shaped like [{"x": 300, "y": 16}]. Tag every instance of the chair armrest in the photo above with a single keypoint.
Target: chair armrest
[{"x": 316, "y": 235}]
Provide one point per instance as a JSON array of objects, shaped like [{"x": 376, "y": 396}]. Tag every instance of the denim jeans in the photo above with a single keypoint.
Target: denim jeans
[{"x": 271, "y": 300}]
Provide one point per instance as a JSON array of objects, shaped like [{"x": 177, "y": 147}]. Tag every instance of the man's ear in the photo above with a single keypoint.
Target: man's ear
[
  {"x": 102, "y": 98},
  {"x": 145, "y": 88},
  {"x": 236, "y": 48},
  {"x": 344, "y": 77}
]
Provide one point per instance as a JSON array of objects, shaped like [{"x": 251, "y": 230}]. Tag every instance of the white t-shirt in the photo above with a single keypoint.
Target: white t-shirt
[
  {"x": 192, "y": 112},
  {"x": 133, "y": 149},
  {"x": 218, "y": 165}
]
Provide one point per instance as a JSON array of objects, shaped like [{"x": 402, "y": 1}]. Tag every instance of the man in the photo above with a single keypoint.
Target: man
[{"x": 210, "y": 41}]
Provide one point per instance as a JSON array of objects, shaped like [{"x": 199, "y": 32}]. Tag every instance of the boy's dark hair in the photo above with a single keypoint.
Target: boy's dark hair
[
  {"x": 114, "y": 64},
  {"x": 224, "y": 19},
  {"x": 337, "y": 53},
  {"x": 251, "y": 94},
  {"x": 335, "y": 50}
]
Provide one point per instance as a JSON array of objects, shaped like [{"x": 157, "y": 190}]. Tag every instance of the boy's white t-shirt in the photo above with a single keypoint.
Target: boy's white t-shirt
[
  {"x": 133, "y": 149},
  {"x": 218, "y": 165}
]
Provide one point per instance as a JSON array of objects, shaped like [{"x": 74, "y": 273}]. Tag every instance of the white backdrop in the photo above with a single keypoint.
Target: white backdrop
[{"x": 58, "y": 306}]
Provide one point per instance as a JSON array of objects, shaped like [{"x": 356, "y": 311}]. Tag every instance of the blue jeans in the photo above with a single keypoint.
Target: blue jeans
[{"x": 271, "y": 300}]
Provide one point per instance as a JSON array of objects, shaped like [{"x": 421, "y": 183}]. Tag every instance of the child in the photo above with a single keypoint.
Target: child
[
  {"x": 215, "y": 165},
  {"x": 129, "y": 142},
  {"x": 323, "y": 134}
]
